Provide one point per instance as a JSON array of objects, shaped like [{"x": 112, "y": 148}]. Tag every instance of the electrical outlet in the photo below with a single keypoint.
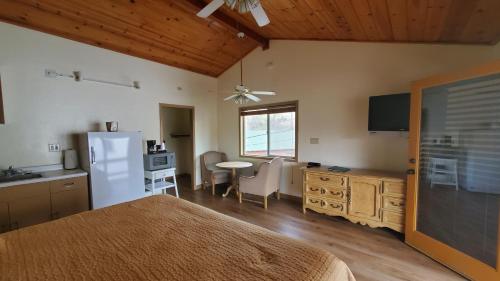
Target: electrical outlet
[
  {"x": 54, "y": 147},
  {"x": 314, "y": 140}
]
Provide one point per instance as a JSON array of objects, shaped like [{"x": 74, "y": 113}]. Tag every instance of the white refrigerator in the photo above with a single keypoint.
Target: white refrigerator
[{"x": 115, "y": 166}]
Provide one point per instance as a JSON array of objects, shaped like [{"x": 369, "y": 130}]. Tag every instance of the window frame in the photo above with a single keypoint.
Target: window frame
[
  {"x": 241, "y": 130},
  {"x": 2, "y": 115}
]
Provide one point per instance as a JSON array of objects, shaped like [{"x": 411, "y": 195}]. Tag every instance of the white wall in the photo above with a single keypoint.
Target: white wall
[
  {"x": 42, "y": 110},
  {"x": 178, "y": 121},
  {"x": 332, "y": 81}
]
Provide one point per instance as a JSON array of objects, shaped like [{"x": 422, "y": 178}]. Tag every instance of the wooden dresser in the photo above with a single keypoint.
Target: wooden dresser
[{"x": 368, "y": 197}]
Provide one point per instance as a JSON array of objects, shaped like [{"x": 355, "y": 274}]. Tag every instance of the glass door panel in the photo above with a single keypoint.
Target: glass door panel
[
  {"x": 454, "y": 177},
  {"x": 459, "y": 185}
]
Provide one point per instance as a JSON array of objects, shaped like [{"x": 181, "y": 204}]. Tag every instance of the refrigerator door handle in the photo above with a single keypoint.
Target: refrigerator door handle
[{"x": 92, "y": 155}]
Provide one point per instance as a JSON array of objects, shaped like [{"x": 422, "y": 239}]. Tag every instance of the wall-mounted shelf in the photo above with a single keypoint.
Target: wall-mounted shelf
[{"x": 180, "y": 136}]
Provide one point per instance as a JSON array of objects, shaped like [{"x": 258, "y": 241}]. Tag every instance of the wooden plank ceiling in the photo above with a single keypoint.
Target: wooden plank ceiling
[
  {"x": 425, "y": 21},
  {"x": 168, "y": 31}
]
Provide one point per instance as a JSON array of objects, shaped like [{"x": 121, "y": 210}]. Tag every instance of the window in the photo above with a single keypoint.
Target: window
[{"x": 268, "y": 131}]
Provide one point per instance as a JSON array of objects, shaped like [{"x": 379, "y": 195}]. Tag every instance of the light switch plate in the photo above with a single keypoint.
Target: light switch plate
[
  {"x": 314, "y": 140},
  {"x": 54, "y": 147},
  {"x": 50, "y": 73}
]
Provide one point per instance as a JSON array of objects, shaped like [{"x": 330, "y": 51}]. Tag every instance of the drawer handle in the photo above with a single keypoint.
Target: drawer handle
[
  {"x": 323, "y": 203},
  {"x": 396, "y": 204},
  {"x": 337, "y": 193},
  {"x": 69, "y": 184},
  {"x": 313, "y": 201},
  {"x": 336, "y": 206},
  {"x": 324, "y": 178},
  {"x": 314, "y": 189}
]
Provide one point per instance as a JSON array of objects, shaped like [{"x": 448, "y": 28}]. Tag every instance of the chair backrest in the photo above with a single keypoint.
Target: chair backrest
[
  {"x": 209, "y": 158},
  {"x": 275, "y": 173},
  {"x": 271, "y": 174},
  {"x": 213, "y": 157}
]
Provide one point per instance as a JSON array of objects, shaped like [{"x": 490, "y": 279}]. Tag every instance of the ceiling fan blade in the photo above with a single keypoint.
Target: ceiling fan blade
[
  {"x": 263, "y": 93},
  {"x": 230, "y": 97},
  {"x": 259, "y": 14},
  {"x": 252, "y": 97},
  {"x": 210, "y": 8}
]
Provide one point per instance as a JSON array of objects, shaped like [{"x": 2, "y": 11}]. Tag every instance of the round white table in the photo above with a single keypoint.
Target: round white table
[{"x": 233, "y": 165}]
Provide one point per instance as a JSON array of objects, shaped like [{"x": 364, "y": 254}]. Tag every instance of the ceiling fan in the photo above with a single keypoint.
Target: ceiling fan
[
  {"x": 243, "y": 6},
  {"x": 242, "y": 94}
]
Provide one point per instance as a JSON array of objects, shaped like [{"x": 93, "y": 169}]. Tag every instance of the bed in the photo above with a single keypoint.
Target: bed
[{"x": 160, "y": 238}]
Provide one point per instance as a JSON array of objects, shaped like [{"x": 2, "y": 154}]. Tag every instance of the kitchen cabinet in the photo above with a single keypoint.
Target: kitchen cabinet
[
  {"x": 4, "y": 217},
  {"x": 30, "y": 204},
  {"x": 29, "y": 211},
  {"x": 68, "y": 197}
]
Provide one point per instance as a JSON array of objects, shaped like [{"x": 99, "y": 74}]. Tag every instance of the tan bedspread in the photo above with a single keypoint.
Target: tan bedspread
[{"x": 160, "y": 238}]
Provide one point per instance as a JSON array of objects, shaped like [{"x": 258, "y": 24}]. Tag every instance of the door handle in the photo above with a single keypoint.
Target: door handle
[
  {"x": 410, "y": 172},
  {"x": 412, "y": 161},
  {"x": 92, "y": 155}
]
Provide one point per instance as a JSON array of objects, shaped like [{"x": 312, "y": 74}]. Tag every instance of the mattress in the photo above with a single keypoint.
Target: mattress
[{"x": 160, "y": 238}]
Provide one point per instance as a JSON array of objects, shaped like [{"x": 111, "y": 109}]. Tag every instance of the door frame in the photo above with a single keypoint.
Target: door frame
[
  {"x": 193, "y": 150},
  {"x": 450, "y": 257}
]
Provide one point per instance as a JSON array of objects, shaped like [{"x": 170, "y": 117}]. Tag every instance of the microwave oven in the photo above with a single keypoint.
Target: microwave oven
[{"x": 159, "y": 161}]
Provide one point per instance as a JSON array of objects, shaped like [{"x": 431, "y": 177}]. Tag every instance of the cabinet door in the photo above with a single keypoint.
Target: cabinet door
[
  {"x": 4, "y": 217},
  {"x": 69, "y": 202},
  {"x": 364, "y": 198},
  {"x": 68, "y": 197},
  {"x": 28, "y": 211}
]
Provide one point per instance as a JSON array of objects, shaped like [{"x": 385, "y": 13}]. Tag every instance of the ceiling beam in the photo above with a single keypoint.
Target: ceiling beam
[{"x": 234, "y": 24}]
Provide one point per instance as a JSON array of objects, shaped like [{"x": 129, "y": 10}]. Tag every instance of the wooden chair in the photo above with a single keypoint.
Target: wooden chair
[
  {"x": 211, "y": 174},
  {"x": 266, "y": 181}
]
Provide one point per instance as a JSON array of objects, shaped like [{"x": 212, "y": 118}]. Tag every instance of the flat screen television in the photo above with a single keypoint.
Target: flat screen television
[{"x": 389, "y": 113}]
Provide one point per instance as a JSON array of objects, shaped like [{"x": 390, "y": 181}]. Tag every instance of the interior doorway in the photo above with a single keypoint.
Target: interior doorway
[{"x": 177, "y": 130}]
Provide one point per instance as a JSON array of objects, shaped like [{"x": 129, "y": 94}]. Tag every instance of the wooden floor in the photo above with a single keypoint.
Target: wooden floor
[{"x": 371, "y": 254}]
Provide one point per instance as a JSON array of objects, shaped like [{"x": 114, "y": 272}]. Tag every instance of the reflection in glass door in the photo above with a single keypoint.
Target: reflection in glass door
[{"x": 457, "y": 182}]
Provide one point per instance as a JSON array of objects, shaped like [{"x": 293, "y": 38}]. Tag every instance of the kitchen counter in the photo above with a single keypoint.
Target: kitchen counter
[{"x": 47, "y": 175}]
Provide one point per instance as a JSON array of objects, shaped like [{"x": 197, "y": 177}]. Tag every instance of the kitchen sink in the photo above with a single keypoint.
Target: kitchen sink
[{"x": 19, "y": 177}]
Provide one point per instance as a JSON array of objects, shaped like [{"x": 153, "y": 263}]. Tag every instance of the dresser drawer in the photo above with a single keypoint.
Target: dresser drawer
[
  {"x": 313, "y": 189},
  {"x": 394, "y": 188},
  {"x": 336, "y": 206},
  {"x": 324, "y": 179},
  {"x": 338, "y": 194},
  {"x": 68, "y": 184},
  {"x": 314, "y": 202},
  {"x": 328, "y": 205},
  {"x": 393, "y": 217},
  {"x": 393, "y": 203}
]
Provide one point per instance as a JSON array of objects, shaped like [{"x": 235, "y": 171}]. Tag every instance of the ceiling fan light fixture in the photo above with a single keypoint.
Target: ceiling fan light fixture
[
  {"x": 241, "y": 99},
  {"x": 243, "y": 6}
]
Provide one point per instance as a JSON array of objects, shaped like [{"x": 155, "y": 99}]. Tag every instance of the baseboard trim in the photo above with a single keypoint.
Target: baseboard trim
[{"x": 291, "y": 197}]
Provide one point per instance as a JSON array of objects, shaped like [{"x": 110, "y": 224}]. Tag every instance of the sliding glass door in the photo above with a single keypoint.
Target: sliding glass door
[{"x": 454, "y": 171}]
